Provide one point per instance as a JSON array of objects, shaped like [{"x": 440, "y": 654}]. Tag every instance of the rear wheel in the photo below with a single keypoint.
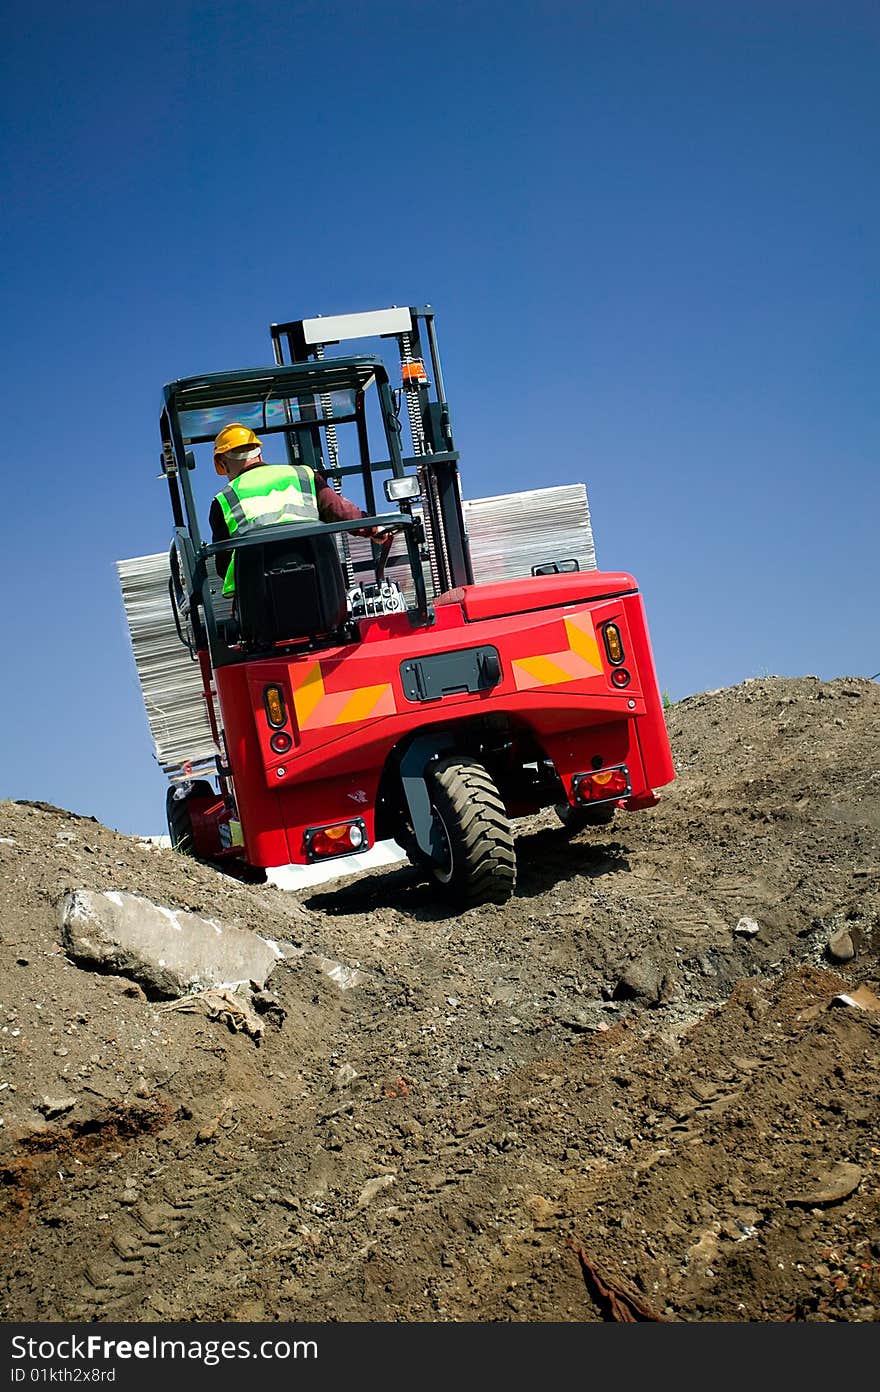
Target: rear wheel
[
  {"x": 177, "y": 813},
  {"x": 576, "y": 818},
  {"x": 478, "y": 864}
]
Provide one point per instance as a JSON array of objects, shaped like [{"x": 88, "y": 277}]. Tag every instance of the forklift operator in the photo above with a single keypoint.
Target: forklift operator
[{"x": 261, "y": 495}]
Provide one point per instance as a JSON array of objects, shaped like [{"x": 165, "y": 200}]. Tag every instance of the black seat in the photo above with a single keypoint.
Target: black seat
[{"x": 289, "y": 589}]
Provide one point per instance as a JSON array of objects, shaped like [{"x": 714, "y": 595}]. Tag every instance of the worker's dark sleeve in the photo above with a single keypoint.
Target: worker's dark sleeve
[
  {"x": 332, "y": 507},
  {"x": 219, "y": 532}
]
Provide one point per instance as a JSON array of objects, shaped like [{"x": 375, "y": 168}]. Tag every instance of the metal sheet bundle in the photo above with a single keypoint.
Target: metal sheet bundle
[
  {"x": 513, "y": 532},
  {"x": 171, "y": 682},
  {"x": 508, "y": 535}
]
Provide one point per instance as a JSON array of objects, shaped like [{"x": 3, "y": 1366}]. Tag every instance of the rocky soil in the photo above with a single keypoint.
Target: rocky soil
[{"x": 644, "y": 1089}]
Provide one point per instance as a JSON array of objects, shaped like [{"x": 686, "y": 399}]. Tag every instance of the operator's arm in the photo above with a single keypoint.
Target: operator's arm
[
  {"x": 219, "y": 532},
  {"x": 333, "y": 507}
]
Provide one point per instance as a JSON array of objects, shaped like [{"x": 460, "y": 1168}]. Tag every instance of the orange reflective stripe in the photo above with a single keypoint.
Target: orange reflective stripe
[
  {"x": 540, "y": 671},
  {"x": 368, "y": 702},
  {"x": 582, "y": 640},
  {"x": 308, "y": 692},
  {"x": 317, "y": 708},
  {"x": 576, "y": 663}
]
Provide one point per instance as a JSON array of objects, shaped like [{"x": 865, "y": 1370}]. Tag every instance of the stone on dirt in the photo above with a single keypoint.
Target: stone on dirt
[
  {"x": 642, "y": 979},
  {"x": 747, "y": 927},
  {"x": 374, "y": 1187},
  {"x": 55, "y": 1106},
  {"x": 169, "y": 952},
  {"x": 830, "y": 1185},
  {"x": 862, "y": 998},
  {"x": 841, "y": 947}
]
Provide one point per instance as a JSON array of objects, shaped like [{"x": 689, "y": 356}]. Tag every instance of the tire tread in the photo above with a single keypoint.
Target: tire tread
[{"x": 483, "y": 854}]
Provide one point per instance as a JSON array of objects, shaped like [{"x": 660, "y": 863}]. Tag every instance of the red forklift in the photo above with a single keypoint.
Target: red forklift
[{"x": 360, "y": 693}]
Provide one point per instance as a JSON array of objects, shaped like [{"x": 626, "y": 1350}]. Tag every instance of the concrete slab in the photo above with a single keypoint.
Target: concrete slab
[{"x": 168, "y": 951}]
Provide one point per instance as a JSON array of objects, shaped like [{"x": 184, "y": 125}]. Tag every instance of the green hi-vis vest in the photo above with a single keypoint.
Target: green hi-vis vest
[{"x": 263, "y": 496}]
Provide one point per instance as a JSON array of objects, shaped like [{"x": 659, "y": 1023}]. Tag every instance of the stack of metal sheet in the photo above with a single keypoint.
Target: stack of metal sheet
[
  {"x": 170, "y": 680},
  {"x": 513, "y": 532},
  {"x": 508, "y": 535}
]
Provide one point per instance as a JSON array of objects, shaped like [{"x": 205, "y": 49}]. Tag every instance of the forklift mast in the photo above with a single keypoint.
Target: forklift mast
[{"x": 434, "y": 456}]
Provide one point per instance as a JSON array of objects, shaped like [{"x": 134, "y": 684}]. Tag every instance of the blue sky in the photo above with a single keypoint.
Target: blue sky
[{"x": 649, "y": 233}]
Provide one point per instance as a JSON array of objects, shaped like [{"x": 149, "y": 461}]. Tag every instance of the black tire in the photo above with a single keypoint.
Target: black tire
[
  {"x": 177, "y": 814},
  {"x": 575, "y": 819},
  {"x": 480, "y": 863}
]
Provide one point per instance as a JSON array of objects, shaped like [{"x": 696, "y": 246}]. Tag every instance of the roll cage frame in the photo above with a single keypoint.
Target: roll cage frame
[{"x": 197, "y": 593}]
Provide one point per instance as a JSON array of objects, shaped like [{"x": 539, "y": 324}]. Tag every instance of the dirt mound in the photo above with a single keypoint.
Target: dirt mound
[{"x": 645, "y": 1088}]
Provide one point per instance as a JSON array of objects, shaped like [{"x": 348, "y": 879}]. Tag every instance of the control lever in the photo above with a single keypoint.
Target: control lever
[{"x": 381, "y": 550}]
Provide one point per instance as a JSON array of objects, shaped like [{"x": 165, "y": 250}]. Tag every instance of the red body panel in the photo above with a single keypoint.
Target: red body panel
[
  {"x": 207, "y": 816},
  {"x": 542, "y": 592},
  {"x": 348, "y": 709}
]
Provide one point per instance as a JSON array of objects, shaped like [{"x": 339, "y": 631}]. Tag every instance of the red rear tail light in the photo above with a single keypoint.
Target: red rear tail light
[
  {"x": 339, "y": 839},
  {"x": 602, "y": 785}
]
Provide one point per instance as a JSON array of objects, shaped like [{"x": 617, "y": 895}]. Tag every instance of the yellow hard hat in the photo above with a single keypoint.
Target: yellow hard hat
[{"x": 233, "y": 436}]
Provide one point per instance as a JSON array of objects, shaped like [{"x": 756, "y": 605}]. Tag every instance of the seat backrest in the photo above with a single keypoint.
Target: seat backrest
[{"x": 289, "y": 589}]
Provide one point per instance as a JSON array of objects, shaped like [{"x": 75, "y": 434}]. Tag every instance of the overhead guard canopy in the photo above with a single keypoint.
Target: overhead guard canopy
[{"x": 201, "y": 402}]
